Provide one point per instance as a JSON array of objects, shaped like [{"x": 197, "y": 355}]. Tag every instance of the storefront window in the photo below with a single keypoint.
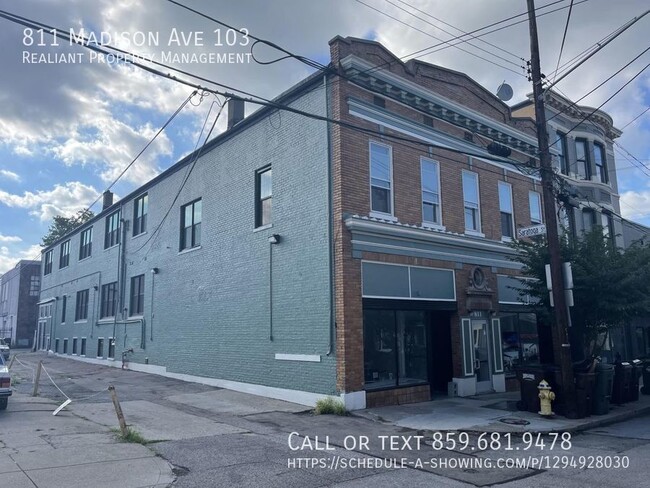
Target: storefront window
[
  {"x": 520, "y": 341},
  {"x": 395, "y": 348}
]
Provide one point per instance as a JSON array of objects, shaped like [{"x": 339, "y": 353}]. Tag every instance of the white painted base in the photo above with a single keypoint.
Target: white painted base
[
  {"x": 466, "y": 386},
  {"x": 499, "y": 382},
  {"x": 295, "y": 396},
  {"x": 355, "y": 400}
]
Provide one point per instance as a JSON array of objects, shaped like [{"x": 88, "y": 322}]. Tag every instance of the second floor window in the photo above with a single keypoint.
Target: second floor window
[
  {"x": 582, "y": 159},
  {"x": 263, "y": 197},
  {"x": 136, "y": 307},
  {"x": 471, "y": 202},
  {"x": 505, "y": 208},
  {"x": 430, "y": 191},
  {"x": 140, "y": 209},
  {"x": 48, "y": 262},
  {"x": 86, "y": 244},
  {"x": 81, "y": 307},
  {"x": 112, "y": 234},
  {"x": 535, "y": 202},
  {"x": 64, "y": 258},
  {"x": 109, "y": 300},
  {"x": 600, "y": 162},
  {"x": 607, "y": 224},
  {"x": 381, "y": 178},
  {"x": 560, "y": 145},
  {"x": 191, "y": 225},
  {"x": 588, "y": 220}
]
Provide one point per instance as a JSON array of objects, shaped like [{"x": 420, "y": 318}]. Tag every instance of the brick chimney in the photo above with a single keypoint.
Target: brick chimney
[
  {"x": 235, "y": 112},
  {"x": 108, "y": 199}
]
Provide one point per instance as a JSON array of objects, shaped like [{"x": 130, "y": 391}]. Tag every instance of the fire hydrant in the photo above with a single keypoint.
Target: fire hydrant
[{"x": 546, "y": 396}]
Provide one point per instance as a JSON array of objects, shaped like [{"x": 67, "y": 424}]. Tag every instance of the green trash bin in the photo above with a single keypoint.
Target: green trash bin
[
  {"x": 603, "y": 388},
  {"x": 584, "y": 393}
]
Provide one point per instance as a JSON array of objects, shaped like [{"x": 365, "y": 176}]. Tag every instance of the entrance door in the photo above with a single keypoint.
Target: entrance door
[{"x": 481, "y": 356}]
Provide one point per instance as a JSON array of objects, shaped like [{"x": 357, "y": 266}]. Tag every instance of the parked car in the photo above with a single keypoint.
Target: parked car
[
  {"x": 5, "y": 384},
  {"x": 4, "y": 349}
]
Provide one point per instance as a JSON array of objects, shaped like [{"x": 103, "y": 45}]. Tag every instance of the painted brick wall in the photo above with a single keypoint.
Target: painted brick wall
[{"x": 211, "y": 304}]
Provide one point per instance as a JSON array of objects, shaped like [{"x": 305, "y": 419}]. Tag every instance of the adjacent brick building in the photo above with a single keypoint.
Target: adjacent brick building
[
  {"x": 19, "y": 291},
  {"x": 296, "y": 258}
]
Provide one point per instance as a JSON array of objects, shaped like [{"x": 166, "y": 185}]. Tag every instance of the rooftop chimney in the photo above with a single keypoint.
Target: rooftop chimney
[
  {"x": 235, "y": 112},
  {"x": 108, "y": 199}
]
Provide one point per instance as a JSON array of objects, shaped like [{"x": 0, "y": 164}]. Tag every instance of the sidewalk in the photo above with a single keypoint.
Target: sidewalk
[
  {"x": 493, "y": 413},
  {"x": 40, "y": 450}
]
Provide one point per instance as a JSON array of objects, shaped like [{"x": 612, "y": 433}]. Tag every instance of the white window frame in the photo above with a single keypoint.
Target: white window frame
[
  {"x": 539, "y": 207},
  {"x": 474, "y": 232},
  {"x": 376, "y": 213},
  {"x": 425, "y": 223},
  {"x": 512, "y": 210}
]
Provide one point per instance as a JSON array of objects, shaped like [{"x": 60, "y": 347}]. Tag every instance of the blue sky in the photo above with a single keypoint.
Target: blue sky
[{"x": 67, "y": 130}]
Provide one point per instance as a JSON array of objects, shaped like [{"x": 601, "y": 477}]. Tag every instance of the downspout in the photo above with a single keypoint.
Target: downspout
[
  {"x": 121, "y": 273},
  {"x": 330, "y": 223},
  {"x": 154, "y": 271},
  {"x": 271, "y": 291}
]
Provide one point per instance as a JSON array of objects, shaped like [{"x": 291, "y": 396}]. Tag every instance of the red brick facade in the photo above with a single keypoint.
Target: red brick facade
[{"x": 351, "y": 196}]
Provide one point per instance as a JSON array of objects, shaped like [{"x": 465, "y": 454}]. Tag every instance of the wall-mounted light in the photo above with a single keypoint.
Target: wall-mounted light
[
  {"x": 154, "y": 270},
  {"x": 95, "y": 287},
  {"x": 274, "y": 238}
]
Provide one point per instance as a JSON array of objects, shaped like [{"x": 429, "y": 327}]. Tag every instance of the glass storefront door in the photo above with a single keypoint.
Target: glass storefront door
[{"x": 481, "y": 356}]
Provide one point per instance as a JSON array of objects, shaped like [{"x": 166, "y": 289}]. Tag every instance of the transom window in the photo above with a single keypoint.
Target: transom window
[
  {"x": 86, "y": 243},
  {"x": 81, "y": 307},
  {"x": 47, "y": 269},
  {"x": 109, "y": 300},
  {"x": 600, "y": 162},
  {"x": 191, "y": 225},
  {"x": 140, "y": 209},
  {"x": 535, "y": 202},
  {"x": 64, "y": 258},
  {"x": 112, "y": 235},
  {"x": 505, "y": 207},
  {"x": 136, "y": 307},
  {"x": 263, "y": 197},
  {"x": 430, "y": 175},
  {"x": 471, "y": 199},
  {"x": 381, "y": 178},
  {"x": 582, "y": 159}
]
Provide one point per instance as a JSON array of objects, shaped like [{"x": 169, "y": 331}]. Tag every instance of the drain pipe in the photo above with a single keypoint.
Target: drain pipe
[
  {"x": 273, "y": 239},
  {"x": 330, "y": 211}
]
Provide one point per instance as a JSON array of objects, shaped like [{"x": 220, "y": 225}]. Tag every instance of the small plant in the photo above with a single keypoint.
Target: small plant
[
  {"x": 330, "y": 406},
  {"x": 131, "y": 436}
]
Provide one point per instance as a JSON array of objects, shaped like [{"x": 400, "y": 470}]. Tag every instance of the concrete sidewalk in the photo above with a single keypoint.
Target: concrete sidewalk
[
  {"x": 493, "y": 413},
  {"x": 40, "y": 450}
]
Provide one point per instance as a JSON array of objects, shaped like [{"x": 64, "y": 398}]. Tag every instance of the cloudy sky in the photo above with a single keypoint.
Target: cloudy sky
[{"x": 68, "y": 129}]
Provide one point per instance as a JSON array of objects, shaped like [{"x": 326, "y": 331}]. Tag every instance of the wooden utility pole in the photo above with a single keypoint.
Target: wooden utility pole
[{"x": 560, "y": 331}]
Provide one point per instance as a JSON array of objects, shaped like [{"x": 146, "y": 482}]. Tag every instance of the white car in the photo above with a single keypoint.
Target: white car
[
  {"x": 5, "y": 384},
  {"x": 4, "y": 349}
]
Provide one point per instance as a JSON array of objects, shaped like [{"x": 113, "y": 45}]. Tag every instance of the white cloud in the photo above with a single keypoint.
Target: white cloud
[
  {"x": 9, "y": 175},
  {"x": 4, "y": 238},
  {"x": 9, "y": 259},
  {"x": 64, "y": 199},
  {"x": 635, "y": 204}
]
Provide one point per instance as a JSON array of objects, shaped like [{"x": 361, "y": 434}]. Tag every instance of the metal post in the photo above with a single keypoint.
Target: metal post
[
  {"x": 37, "y": 378},
  {"x": 561, "y": 346},
  {"x": 118, "y": 411}
]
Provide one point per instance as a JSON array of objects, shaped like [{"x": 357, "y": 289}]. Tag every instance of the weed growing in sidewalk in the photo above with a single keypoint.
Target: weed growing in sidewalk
[
  {"x": 331, "y": 406},
  {"x": 131, "y": 436}
]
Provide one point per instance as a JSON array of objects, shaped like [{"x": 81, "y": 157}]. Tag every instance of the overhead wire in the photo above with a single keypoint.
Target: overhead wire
[
  {"x": 636, "y": 118},
  {"x": 566, "y": 29}
]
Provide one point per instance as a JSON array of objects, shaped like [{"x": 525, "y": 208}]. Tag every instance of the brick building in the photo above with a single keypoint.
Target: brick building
[
  {"x": 19, "y": 291},
  {"x": 297, "y": 258}
]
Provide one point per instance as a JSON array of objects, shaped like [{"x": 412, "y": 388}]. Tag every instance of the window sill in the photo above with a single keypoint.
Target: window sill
[
  {"x": 432, "y": 226},
  {"x": 106, "y": 320},
  {"x": 262, "y": 227},
  {"x": 139, "y": 235},
  {"x": 185, "y": 251},
  {"x": 136, "y": 317},
  {"x": 506, "y": 239},
  {"x": 109, "y": 248},
  {"x": 80, "y": 322},
  {"x": 382, "y": 216},
  {"x": 63, "y": 267},
  {"x": 84, "y": 259},
  {"x": 474, "y": 233}
]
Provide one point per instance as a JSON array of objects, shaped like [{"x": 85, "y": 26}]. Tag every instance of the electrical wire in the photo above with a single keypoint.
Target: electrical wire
[
  {"x": 636, "y": 118},
  {"x": 566, "y": 29}
]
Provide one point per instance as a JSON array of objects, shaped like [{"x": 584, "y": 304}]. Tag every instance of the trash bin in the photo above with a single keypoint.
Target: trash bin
[
  {"x": 622, "y": 379},
  {"x": 633, "y": 391},
  {"x": 646, "y": 377},
  {"x": 603, "y": 388},
  {"x": 529, "y": 377}
]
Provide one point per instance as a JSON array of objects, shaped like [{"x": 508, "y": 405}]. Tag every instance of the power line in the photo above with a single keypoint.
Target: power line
[
  {"x": 636, "y": 118},
  {"x": 566, "y": 28}
]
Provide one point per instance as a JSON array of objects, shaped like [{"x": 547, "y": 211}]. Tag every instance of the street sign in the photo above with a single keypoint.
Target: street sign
[{"x": 532, "y": 231}]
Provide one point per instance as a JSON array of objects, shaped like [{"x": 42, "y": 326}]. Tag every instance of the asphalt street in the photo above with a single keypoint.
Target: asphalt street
[{"x": 214, "y": 437}]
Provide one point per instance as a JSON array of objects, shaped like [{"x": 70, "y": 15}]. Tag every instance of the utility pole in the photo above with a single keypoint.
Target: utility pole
[{"x": 560, "y": 332}]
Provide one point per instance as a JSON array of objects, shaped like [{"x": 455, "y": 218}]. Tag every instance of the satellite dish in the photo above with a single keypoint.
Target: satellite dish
[{"x": 504, "y": 92}]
